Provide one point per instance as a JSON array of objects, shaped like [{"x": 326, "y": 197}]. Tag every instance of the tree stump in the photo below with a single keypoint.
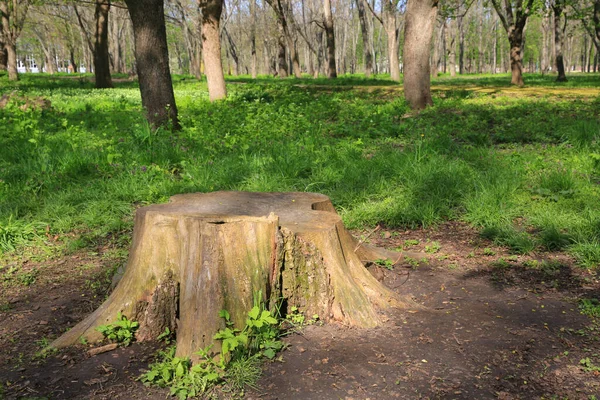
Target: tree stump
[{"x": 202, "y": 253}]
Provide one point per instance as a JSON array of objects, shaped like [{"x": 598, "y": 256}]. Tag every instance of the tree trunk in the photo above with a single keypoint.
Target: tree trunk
[
  {"x": 494, "y": 47},
  {"x": 480, "y": 55},
  {"x": 3, "y": 57},
  {"x": 11, "y": 56},
  {"x": 282, "y": 63},
  {"x": 420, "y": 21},
  {"x": 211, "y": 48},
  {"x": 254, "y": 62},
  {"x": 516, "y": 64},
  {"x": 101, "y": 57},
  {"x": 461, "y": 44},
  {"x": 203, "y": 253},
  {"x": 330, "y": 35},
  {"x": 452, "y": 47},
  {"x": 152, "y": 61},
  {"x": 364, "y": 27},
  {"x": 320, "y": 52},
  {"x": 392, "y": 32},
  {"x": 559, "y": 39}
]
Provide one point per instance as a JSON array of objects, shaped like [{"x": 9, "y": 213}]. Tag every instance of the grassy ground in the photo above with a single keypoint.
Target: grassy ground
[
  {"x": 522, "y": 165},
  {"x": 498, "y": 185}
]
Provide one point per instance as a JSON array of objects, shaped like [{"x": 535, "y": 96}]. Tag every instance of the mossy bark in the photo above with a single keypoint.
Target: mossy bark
[{"x": 202, "y": 253}]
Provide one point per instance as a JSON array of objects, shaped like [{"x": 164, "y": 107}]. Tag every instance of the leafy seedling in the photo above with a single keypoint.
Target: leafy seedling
[{"x": 120, "y": 331}]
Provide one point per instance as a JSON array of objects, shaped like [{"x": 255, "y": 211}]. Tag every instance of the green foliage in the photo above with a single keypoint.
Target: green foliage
[
  {"x": 166, "y": 336},
  {"x": 260, "y": 336},
  {"x": 16, "y": 275},
  {"x": 14, "y": 233},
  {"x": 432, "y": 247},
  {"x": 296, "y": 318},
  {"x": 517, "y": 241},
  {"x": 238, "y": 365},
  {"x": 588, "y": 366},
  {"x": 120, "y": 331},
  {"x": 385, "y": 263},
  {"x": 178, "y": 374},
  {"x": 525, "y": 165},
  {"x": 590, "y": 307}
]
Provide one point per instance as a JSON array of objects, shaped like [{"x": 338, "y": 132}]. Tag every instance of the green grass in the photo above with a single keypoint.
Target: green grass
[{"x": 525, "y": 169}]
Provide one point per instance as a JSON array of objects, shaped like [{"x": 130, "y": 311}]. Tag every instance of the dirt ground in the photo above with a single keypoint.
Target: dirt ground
[{"x": 496, "y": 326}]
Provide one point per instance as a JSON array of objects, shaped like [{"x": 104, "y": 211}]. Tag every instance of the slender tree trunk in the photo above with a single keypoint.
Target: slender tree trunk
[
  {"x": 152, "y": 61},
  {"x": 544, "y": 51},
  {"x": 480, "y": 60},
  {"x": 461, "y": 45},
  {"x": 3, "y": 57},
  {"x": 211, "y": 46},
  {"x": 559, "y": 39},
  {"x": 420, "y": 21},
  {"x": 392, "y": 32},
  {"x": 451, "y": 33},
  {"x": 11, "y": 53},
  {"x": 330, "y": 35},
  {"x": 364, "y": 27},
  {"x": 254, "y": 62},
  {"x": 495, "y": 47},
  {"x": 319, "y": 53},
  {"x": 101, "y": 55}
]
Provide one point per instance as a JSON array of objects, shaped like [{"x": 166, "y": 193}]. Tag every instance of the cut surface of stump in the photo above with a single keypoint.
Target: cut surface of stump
[{"x": 205, "y": 252}]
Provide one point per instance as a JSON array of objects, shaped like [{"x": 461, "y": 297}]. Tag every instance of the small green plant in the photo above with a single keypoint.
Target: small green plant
[
  {"x": 183, "y": 379},
  {"x": 433, "y": 247},
  {"x": 500, "y": 263},
  {"x": 166, "y": 336},
  {"x": 413, "y": 262},
  {"x": 238, "y": 364},
  {"x": 385, "y": 263},
  {"x": 120, "y": 331},
  {"x": 259, "y": 336},
  {"x": 590, "y": 307},
  {"x": 531, "y": 263},
  {"x": 588, "y": 366},
  {"x": 296, "y": 318},
  {"x": 488, "y": 252},
  {"x": 411, "y": 242}
]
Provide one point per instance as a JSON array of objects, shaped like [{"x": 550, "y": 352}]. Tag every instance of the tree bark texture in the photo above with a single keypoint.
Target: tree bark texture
[
  {"x": 282, "y": 10},
  {"x": 364, "y": 28},
  {"x": 390, "y": 25},
  {"x": 330, "y": 35},
  {"x": 515, "y": 39},
  {"x": 11, "y": 57},
  {"x": 202, "y": 253},
  {"x": 3, "y": 57},
  {"x": 420, "y": 21},
  {"x": 12, "y": 19},
  {"x": 211, "y": 48},
  {"x": 152, "y": 61},
  {"x": 101, "y": 56},
  {"x": 559, "y": 27},
  {"x": 254, "y": 57}
]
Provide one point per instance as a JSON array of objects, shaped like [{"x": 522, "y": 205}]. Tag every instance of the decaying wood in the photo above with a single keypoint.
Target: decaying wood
[
  {"x": 202, "y": 253},
  {"x": 102, "y": 349}
]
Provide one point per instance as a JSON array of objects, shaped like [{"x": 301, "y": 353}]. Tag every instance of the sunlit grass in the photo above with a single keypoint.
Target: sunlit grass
[{"x": 523, "y": 169}]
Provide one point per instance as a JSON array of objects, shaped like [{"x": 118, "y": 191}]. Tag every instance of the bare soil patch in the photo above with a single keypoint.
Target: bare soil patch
[{"x": 497, "y": 326}]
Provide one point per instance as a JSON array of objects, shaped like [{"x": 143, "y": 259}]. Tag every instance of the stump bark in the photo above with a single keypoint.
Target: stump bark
[{"x": 202, "y": 253}]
